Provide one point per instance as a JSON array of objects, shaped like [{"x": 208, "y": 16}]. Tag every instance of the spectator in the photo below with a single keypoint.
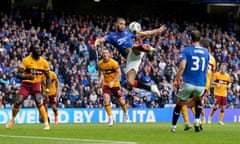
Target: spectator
[{"x": 68, "y": 40}]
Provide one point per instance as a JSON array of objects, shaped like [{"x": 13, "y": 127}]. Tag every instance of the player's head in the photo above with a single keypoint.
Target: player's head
[
  {"x": 223, "y": 67},
  {"x": 195, "y": 36},
  {"x": 121, "y": 24},
  {"x": 35, "y": 49},
  {"x": 204, "y": 43},
  {"x": 106, "y": 54}
]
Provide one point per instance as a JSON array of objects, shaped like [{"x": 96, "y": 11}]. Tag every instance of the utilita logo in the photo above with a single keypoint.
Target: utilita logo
[{"x": 236, "y": 118}]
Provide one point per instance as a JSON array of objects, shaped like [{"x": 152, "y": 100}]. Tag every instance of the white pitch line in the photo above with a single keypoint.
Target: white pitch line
[{"x": 70, "y": 139}]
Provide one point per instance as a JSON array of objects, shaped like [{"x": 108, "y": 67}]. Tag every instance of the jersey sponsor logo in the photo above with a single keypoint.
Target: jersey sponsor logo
[
  {"x": 222, "y": 82},
  {"x": 34, "y": 71},
  {"x": 122, "y": 40},
  {"x": 108, "y": 71}
]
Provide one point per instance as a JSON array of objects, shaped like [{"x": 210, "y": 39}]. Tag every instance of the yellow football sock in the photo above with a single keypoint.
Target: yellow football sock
[
  {"x": 184, "y": 110},
  {"x": 43, "y": 113},
  {"x": 193, "y": 110},
  {"x": 221, "y": 115},
  {"x": 212, "y": 112},
  {"x": 123, "y": 105},
  {"x": 108, "y": 109},
  {"x": 203, "y": 112}
]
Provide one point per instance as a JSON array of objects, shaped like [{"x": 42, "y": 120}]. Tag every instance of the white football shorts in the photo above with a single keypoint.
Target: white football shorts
[
  {"x": 187, "y": 89},
  {"x": 133, "y": 61}
]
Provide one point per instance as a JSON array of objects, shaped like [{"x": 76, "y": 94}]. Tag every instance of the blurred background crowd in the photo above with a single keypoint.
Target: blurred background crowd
[{"x": 67, "y": 42}]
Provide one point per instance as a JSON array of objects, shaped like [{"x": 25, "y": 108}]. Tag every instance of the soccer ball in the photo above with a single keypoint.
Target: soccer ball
[{"x": 135, "y": 27}]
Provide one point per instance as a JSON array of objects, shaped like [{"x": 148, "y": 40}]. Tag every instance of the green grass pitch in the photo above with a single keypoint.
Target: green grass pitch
[{"x": 120, "y": 133}]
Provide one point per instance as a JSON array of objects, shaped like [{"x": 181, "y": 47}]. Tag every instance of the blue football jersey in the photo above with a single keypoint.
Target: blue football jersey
[
  {"x": 121, "y": 40},
  {"x": 197, "y": 59}
]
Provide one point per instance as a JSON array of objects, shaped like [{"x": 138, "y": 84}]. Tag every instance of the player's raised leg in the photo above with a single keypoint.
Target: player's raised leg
[
  {"x": 133, "y": 63},
  {"x": 18, "y": 102}
]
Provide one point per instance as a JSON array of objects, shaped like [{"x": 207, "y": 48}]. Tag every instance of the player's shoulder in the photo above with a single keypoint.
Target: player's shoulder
[
  {"x": 53, "y": 74},
  {"x": 187, "y": 48},
  {"x": 212, "y": 57},
  {"x": 217, "y": 73},
  {"x": 111, "y": 34},
  {"x": 113, "y": 61},
  {"x": 100, "y": 62},
  {"x": 27, "y": 58},
  {"x": 43, "y": 59}
]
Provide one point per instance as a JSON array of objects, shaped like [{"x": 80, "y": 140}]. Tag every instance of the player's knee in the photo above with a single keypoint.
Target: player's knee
[
  {"x": 105, "y": 103},
  {"x": 130, "y": 82},
  {"x": 106, "y": 100},
  {"x": 39, "y": 100},
  {"x": 19, "y": 100}
]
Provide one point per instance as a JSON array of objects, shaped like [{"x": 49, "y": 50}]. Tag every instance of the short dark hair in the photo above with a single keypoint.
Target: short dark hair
[
  {"x": 120, "y": 19},
  {"x": 196, "y": 35},
  {"x": 204, "y": 43},
  {"x": 34, "y": 45}
]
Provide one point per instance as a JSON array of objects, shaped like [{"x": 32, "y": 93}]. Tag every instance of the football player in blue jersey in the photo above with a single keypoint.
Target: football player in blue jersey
[
  {"x": 192, "y": 72},
  {"x": 122, "y": 39}
]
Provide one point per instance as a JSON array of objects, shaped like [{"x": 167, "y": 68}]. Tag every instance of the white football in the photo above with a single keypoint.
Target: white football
[{"x": 135, "y": 27}]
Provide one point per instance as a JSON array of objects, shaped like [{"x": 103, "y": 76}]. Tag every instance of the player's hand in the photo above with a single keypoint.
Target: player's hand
[
  {"x": 96, "y": 42},
  {"x": 163, "y": 28},
  {"x": 46, "y": 97},
  {"x": 31, "y": 77},
  {"x": 175, "y": 85},
  {"x": 111, "y": 84}
]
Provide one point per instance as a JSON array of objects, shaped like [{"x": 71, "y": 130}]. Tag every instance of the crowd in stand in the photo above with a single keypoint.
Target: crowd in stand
[{"x": 67, "y": 42}]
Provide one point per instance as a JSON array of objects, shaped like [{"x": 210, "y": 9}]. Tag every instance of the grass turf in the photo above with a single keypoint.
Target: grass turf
[{"x": 120, "y": 133}]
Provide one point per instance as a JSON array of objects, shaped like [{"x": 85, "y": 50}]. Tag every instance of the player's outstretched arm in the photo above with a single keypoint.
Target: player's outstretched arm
[
  {"x": 99, "y": 41},
  {"x": 152, "y": 32}
]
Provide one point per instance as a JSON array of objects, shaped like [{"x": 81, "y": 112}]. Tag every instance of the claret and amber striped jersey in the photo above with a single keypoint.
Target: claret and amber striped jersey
[
  {"x": 35, "y": 68},
  {"x": 211, "y": 70},
  {"x": 109, "y": 71},
  {"x": 53, "y": 86},
  {"x": 223, "y": 80}
]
